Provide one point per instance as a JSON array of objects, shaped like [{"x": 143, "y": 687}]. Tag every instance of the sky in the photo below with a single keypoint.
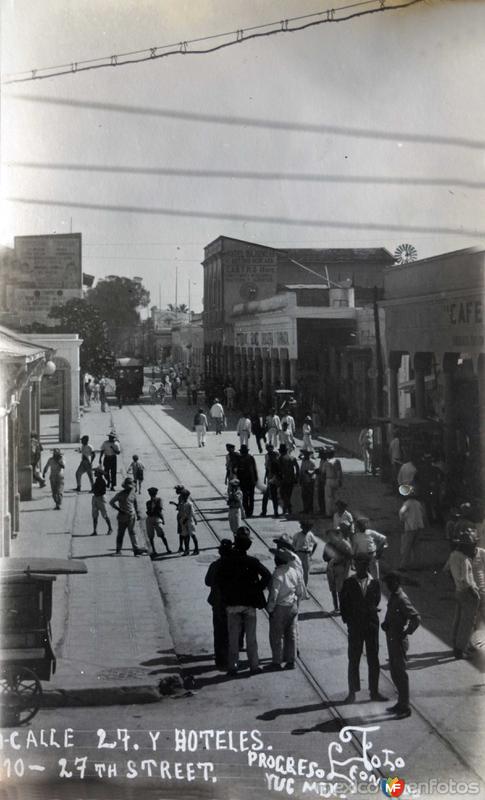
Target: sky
[{"x": 363, "y": 133}]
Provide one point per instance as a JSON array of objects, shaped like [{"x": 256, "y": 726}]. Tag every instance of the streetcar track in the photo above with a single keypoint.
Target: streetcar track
[{"x": 304, "y": 667}]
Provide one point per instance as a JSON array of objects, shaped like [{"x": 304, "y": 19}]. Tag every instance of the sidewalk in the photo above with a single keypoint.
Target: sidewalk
[{"x": 108, "y": 625}]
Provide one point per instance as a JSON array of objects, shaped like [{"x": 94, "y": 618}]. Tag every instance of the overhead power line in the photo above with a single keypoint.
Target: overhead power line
[{"x": 234, "y": 37}]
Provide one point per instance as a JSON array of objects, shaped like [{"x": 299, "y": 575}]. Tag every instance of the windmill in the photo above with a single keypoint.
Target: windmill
[{"x": 405, "y": 253}]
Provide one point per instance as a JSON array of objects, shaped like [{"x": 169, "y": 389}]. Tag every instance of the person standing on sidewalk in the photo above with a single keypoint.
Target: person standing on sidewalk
[
  {"x": 56, "y": 465},
  {"x": 188, "y": 523},
  {"x": 401, "y": 621},
  {"x": 307, "y": 433},
  {"x": 244, "y": 430},
  {"x": 247, "y": 474},
  {"x": 366, "y": 444},
  {"x": 359, "y": 605},
  {"x": 98, "y": 501},
  {"x": 235, "y": 503},
  {"x": 290, "y": 473},
  {"x": 272, "y": 477},
  {"x": 367, "y": 543},
  {"x": 273, "y": 427},
  {"x": 200, "y": 426},
  {"x": 217, "y": 414},
  {"x": 155, "y": 520},
  {"x": 338, "y": 555},
  {"x": 307, "y": 481},
  {"x": 125, "y": 504},
  {"x": 395, "y": 457},
  {"x": 87, "y": 458},
  {"x": 333, "y": 481},
  {"x": 35, "y": 459},
  {"x": 467, "y": 595},
  {"x": 285, "y": 592},
  {"x": 411, "y": 515},
  {"x": 342, "y": 515},
  {"x": 242, "y": 581},
  {"x": 305, "y": 544},
  {"x": 137, "y": 470},
  {"x": 230, "y": 393},
  {"x": 110, "y": 449},
  {"x": 257, "y": 429},
  {"x": 219, "y": 613},
  {"x": 102, "y": 394}
]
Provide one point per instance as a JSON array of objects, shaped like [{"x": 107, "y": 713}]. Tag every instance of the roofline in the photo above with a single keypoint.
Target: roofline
[
  {"x": 289, "y": 250},
  {"x": 473, "y": 250}
]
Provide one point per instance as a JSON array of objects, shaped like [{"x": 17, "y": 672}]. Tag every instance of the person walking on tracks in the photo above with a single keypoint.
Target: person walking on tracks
[
  {"x": 217, "y": 414},
  {"x": 307, "y": 481},
  {"x": 110, "y": 449},
  {"x": 188, "y": 523},
  {"x": 56, "y": 465},
  {"x": 87, "y": 458},
  {"x": 273, "y": 427},
  {"x": 219, "y": 613},
  {"x": 200, "y": 426},
  {"x": 359, "y": 602},
  {"x": 290, "y": 473},
  {"x": 272, "y": 476},
  {"x": 247, "y": 474},
  {"x": 244, "y": 430},
  {"x": 137, "y": 470},
  {"x": 125, "y": 504},
  {"x": 401, "y": 621},
  {"x": 235, "y": 503},
  {"x": 98, "y": 502},
  {"x": 285, "y": 592},
  {"x": 305, "y": 544},
  {"x": 155, "y": 520}
]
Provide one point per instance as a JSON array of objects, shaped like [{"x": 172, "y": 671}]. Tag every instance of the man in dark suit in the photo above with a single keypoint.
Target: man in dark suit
[{"x": 359, "y": 601}]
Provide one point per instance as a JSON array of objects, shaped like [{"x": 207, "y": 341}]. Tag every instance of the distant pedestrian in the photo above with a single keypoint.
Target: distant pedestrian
[
  {"x": 338, "y": 555},
  {"x": 368, "y": 543},
  {"x": 290, "y": 422},
  {"x": 247, "y": 474},
  {"x": 411, "y": 515},
  {"x": 333, "y": 481},
  {"x": 395, "y": 457},
  {"x": 307, "y": 481},
  {"x": 286, "y": 437},
  {"x": 273, "y": 427},
  {"x": 188, "y": 523},
  {"x": 155, "y": 520},
  {"x": 407, "y": 473},
  {"x": 35, "y": 459},
  {"x": 342, "y": 515},
  {"x": 102, "y": 395},
  {"x": 307, "y": 433},
  {"x": 153, "y": 392},
  {"x": 137, "y": 470},
  {"x": 401, "y": 621},
  {"x": 366, "y": 444},
  {"x": 217, "y": 414},
  {"x": 359, "y": 605},
  {"x": 98, "y": 501},
  {"x": 230, "y": 394},
  {"x": 272, "y": 479},
  {"x": 55, "y": 466},
  {"x": 119, "y": 395},
  {"x": 178, "y": 504},
  {"x": 200, "y": 426},
  {"x": 290, "y": 473},
  {"x": 110, "y": 449},
  {"x": 321, "y": 480},
  {"x": 219, "y": 613},
  {"x": 244, "y": 429},
  {"x": 88, "y": 391},
  {"x": 87, "y": 458},
  {"x": 258, "y": 430},
  {"x": 232, "y": 460},
  {"x": 95, "y": 393},
  {"x": 175, "y": 387},
  {"x": 286, "y": 589},
  {"x": 305, "y": 544},
  {"x": 467, "y": 595},
  {"x": 235, "y": 504},
  {"x": 242, "y": 581},
  {"x": 125, "y": 504}
]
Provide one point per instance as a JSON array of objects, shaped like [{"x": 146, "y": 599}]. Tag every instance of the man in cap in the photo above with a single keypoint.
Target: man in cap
[
  {"x": 155, "y": 520},
  {"x": 401, "y": 621},
  {"x": 98, "y": 501},
  {"x": 272, "y": 477},
  {"x": 307, "y": 481},
  {"x": 247, "y": 474},
  {"x": 56, "y": 465},
  {"x": 359, "y": 606},
  {"x": 188, "y": 523},
  {"x": 219, "y": 613},
  {"x": 125, "y": 504},
  {"x": 285, "y": 592},
  {"x": 290, "y": 473},
  {"x": 87, "y": 458},
  {"x": 411, "y": 515},
  {"x": 107, "y": 456},
  {"x": 242, "y": 580}
]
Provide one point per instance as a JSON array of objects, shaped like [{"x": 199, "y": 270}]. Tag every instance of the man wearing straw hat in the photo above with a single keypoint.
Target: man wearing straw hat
[{"x": 411, "y": 515}]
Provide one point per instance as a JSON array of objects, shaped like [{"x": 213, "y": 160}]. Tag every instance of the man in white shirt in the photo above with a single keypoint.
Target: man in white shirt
[
  {"x": 244, "y": 429},
  {"x": 273, "y": 426},
  {"x": 286, "y": 590},
  {"x": 87, "y": 458},
  {"x": 407, "y": 473},
  {"x": 467, "y": 595},
  {"x": 367, "y": 543},
  {"x": 217, "y": 414},
  {"x": 395, "y": 456}
]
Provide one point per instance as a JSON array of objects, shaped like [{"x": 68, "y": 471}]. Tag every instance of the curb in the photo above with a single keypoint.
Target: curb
[{"x": 113, "y": 695}]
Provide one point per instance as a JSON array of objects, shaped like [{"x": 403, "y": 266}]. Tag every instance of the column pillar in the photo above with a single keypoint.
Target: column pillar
[
  {"x": 250, "y": 375},
  {"x": 265, "y": 374},
  {"x": 481, "y": 414},
  {"x": 13, "y": 484},
  {"x": 237, "y": 371},
  {"x": 293, "y": 373},
  {"x": 35, "y": 404},
  {"x": 258, "y": 371},
  {"x": 24, "y": 451},
  {"x": 394, "y": 365},
  {"x": 273, "y": 370},
  {"x": 419, "y": 384}
]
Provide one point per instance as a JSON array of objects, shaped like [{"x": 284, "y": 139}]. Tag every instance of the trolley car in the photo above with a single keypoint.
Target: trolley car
[
  {"x": 26, "y": 653},
  {"x": 129, "y": 378}
]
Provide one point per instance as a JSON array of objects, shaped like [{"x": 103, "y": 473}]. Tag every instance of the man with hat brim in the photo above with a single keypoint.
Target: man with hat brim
[
  {"x": 219, "y": 613},
  {"x": 401, "y": 621},
  {"x": 188, "y": 523},
  {"x": 286, "y": 590},
  {"x": 247, "y": 474},
  {"x": 110, "y": 449},
  {"x": 242, "y": 581},
  {"x": 467, "y": 594},
  {"x": 155, "y": 520},
  {"x": 338, "y": 555},
  {"x": 125, "y": 504},
  {"x": 305, "y": 544},
  {"x": 307, "y": 433},
  {"x": 332, "y": 471},
  {"x": 56, "y": 465},
  {"x": 235, "y": 504},
  {"x": 359, "y": 605},
  {"x": 178, "y": 491},
  {"x": 285, "y": 542},
  {"x": 307, "y": 481},
  {"x": 232, "y": 460},
  {"x": 273, "y": 427},
  {"x": 35, "y": 459},
  {"x": 412, "y": 517},
  {"x": 98, "y": 501},
  {"x": 368, "y": 543},
  {"x": 290, "y": 472},
  {"x": 87, "y": 458},
  {"x": 272, "y": 479}
]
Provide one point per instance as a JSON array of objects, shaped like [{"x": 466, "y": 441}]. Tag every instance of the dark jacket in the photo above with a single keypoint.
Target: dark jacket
[
  {"x": 401, "y": 616},
  {"x": 99, "y": 486},
  {"x": 155, "y": 508},
  {"x": 247, "y": 471},
  {"x": 358, "y": 609},
  {"x": 241, "y": 580}
]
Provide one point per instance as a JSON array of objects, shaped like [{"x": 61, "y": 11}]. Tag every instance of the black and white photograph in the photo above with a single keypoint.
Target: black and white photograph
[{"x": 242, "y": 399}]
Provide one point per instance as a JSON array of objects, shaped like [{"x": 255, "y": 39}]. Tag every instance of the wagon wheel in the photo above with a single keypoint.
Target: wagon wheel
[{"x": 20, "y": 695}]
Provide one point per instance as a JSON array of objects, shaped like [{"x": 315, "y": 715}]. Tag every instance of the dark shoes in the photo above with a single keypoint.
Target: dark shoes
[
  {"x": 290, "y": 665},
  {"x": 195, "y": 552},
  {"x": 350, "y": 698},
  {"x": 140, "y": 551},
  {"x": 94, "y": 533},
  {"x": 256, "y": 671},
  {"x": 378, "y": 697},
  {"x": 402, "y": 713},
  {"x": 273, "y": 667}
]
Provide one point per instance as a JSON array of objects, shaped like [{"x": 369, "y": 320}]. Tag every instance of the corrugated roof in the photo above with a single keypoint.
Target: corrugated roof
[{"x": 12, "y": 347}]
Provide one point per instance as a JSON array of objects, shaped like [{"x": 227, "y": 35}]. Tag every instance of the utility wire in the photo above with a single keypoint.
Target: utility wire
[{"x": 183, "y": 48}]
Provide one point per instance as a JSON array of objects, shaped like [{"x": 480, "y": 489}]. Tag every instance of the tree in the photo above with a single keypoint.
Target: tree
[
  {"x": 79, "y": 316},
  {"x": 118, "y": 300},
  {"x": 183, "y": 308}
]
